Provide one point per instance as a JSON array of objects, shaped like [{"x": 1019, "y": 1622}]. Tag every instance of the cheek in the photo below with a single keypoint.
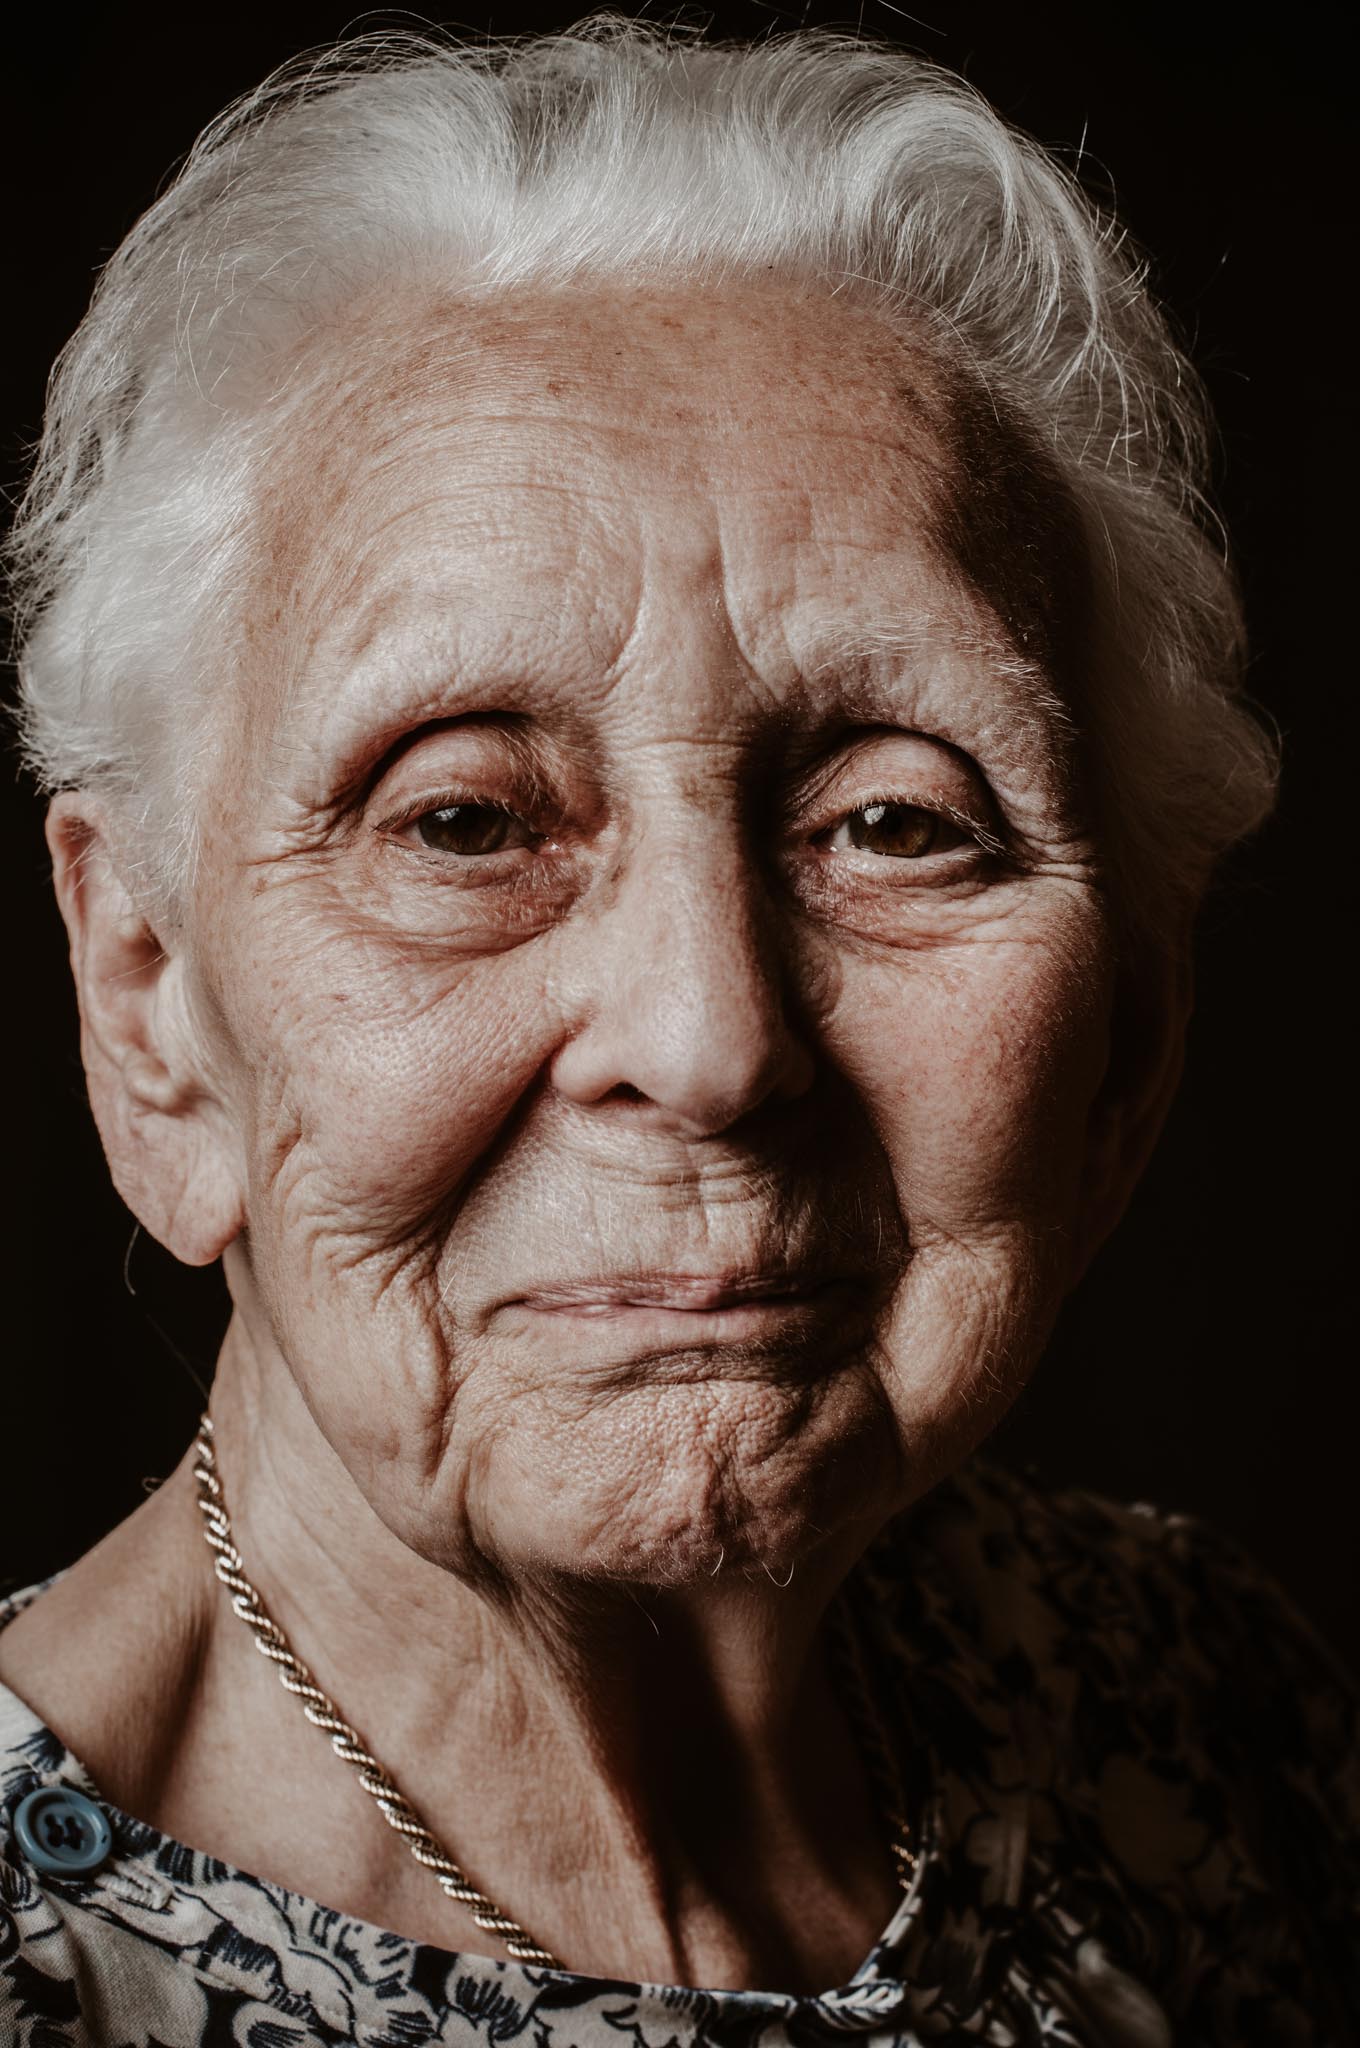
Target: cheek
[
  {"x": 977, "y": 1064},
  {"x": 376, "y": 1083},
  {"x": 373, "y": 1088}
]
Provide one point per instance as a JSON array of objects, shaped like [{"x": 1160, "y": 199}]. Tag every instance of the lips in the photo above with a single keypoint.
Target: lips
[{"x": 686, "y": 1293}]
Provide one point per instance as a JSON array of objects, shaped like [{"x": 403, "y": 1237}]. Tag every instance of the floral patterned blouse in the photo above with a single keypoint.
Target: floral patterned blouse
[{"x": 1133, "y": 1772}]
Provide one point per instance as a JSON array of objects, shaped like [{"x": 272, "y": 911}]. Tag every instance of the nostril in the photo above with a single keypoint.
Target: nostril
[{"x": 624, "y": 1091}]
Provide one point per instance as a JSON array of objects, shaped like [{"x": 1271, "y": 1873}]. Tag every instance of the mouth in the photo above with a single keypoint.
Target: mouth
[
  {"x": 679, "y": 1294},
  {"x": 682, "y": 1327}
]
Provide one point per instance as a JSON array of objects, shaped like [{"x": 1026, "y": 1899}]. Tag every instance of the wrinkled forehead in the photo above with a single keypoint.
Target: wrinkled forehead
[
  {"x": 425, "y": 443},
  {"x": 650, "y": 372}
]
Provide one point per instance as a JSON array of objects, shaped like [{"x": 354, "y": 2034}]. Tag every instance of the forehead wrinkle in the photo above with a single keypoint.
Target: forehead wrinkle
[
  {"x": 336, "y": 637},
  {"x": 369, "y": 399},
  {"x": 480, "y": 527}
]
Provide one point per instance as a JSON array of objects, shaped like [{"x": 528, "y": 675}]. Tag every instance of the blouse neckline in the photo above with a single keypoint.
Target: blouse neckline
[{"x": 354, "y": 1969}]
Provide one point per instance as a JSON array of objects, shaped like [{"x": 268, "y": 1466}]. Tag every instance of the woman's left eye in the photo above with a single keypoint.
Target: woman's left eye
[
  {"x": 471, "y": 829},
  {"x": 900, "y": 831}
]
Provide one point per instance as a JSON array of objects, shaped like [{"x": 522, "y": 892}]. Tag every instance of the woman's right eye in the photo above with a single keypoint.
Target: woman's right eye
[{"x": 472, "y": 829}]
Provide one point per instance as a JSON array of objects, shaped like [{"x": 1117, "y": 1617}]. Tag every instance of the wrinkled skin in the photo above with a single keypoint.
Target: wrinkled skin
[
  {"x": 681, "y": 1034},
  {"x": 480, "y": 1101}
]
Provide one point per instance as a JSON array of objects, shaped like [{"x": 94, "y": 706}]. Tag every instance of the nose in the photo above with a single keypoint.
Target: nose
[{"x": 684, "y": 1008}]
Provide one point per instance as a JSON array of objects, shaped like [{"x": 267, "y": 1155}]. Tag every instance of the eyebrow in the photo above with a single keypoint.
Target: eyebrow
[
  {"x": 885, "y": 647},
  {"x": 828, "y": 639}
]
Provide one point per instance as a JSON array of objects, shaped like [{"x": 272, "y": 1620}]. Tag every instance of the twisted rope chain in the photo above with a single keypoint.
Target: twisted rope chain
[
  {"x": 397, "y": 1810},
  {"x": 322, "y": 1712}
]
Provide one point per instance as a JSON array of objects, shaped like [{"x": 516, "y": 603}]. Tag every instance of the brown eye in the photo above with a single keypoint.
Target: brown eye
[
  {"x": 901, "y": 831},
  {"x": 471, "y": 829}
]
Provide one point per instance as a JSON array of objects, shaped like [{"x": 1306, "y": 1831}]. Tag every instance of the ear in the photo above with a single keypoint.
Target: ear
[
  {"x": 1151, "y": 1008},
  {"x": 166, "y": 1138}
]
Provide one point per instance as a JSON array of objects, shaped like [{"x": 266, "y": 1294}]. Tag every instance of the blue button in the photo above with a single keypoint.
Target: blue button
[{"x": 63, "y": 1833}]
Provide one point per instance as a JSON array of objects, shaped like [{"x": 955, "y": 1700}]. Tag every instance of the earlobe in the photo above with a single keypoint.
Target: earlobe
[
  {"x": 163, "y": 1130},
  {"x": 1150, "y": 1013}
]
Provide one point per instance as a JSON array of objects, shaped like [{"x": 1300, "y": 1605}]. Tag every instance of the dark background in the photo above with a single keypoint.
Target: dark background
[{"x": 1203, "y": 1363}]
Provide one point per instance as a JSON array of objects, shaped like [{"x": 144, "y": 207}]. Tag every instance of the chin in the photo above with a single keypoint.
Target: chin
[{"x": 678, "y": 1485}]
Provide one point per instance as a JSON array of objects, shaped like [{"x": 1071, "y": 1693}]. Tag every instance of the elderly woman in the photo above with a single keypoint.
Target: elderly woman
[{"x": 639, "y": 709}]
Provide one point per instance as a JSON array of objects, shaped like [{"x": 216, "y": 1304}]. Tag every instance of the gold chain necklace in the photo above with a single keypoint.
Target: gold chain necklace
[{"x": 396, "y": 1810}]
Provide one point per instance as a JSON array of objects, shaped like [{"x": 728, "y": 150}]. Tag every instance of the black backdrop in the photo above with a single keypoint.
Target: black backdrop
[{"x": 1204, "y": 1364}]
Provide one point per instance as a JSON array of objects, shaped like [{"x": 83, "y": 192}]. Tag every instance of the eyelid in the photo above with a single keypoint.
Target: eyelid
[
  {"x": 497, "y": 749},
  {"x": 893, "y": 764}
]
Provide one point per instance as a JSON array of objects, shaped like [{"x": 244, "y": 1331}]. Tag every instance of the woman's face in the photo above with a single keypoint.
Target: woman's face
[{"x": 648, "y": 948}]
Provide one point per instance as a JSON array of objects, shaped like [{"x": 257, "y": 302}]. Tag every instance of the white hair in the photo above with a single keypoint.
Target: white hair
[{"x": 619, "y": 152}]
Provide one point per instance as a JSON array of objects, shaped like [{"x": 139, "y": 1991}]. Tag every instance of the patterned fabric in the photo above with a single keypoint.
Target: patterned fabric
[{"x": 1134, "y": 1772}]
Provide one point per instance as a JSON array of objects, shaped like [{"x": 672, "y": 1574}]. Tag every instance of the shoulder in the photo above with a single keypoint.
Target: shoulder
[
  {"x": 1163, "y": 1620},
  {"x": 1133, "y": 1598},
  {"x": 38, "y": 1998},
  {"x": 109, "y": 1656},
  {"x": 29, "y": 1751},
  {"x": 1188, "y": 1745}
]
